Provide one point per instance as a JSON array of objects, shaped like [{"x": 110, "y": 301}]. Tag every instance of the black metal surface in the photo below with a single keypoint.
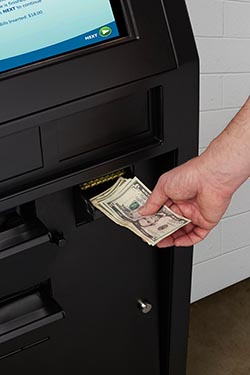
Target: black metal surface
[
  {"x": 132, "y": 105},
  {"x": 22, "y": 236},
  {"x": 98, "y": 287},
  {"x": 28, "y": 312}
]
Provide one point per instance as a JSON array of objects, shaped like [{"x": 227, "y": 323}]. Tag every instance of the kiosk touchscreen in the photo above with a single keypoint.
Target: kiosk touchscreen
[{"x": 58, "y": 27}]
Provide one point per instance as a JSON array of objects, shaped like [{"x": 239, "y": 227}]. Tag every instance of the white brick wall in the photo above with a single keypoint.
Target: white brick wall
[
  {"x": 236, "y": 20},
  {"x": 222, "y": 30}
]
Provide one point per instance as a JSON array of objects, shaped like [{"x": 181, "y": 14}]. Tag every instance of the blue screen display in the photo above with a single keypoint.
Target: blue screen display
[{"x": 32, "y": 31}]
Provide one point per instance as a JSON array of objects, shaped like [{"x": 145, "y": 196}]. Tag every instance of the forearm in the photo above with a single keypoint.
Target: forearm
[{"x": 227, "y": 159}]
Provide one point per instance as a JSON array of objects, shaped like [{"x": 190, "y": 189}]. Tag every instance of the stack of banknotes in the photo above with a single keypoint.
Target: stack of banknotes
[{"x": 121, "y": 203}]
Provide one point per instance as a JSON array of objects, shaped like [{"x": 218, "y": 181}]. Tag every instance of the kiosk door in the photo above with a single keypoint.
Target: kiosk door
[{"x": 105, "y": 282}]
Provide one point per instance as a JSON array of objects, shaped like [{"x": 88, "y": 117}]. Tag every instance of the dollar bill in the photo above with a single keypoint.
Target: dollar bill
[{"x": 121, "y": 203}]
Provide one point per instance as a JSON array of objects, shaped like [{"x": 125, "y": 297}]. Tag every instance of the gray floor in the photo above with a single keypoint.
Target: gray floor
[{"x": 219, "y": 338}]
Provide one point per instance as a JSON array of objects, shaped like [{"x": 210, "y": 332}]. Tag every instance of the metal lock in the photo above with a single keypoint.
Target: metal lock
[{"x": 144, "y": 306}]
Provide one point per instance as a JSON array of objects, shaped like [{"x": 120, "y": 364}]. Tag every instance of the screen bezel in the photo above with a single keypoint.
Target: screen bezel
[{"x": 127, "y": 32}]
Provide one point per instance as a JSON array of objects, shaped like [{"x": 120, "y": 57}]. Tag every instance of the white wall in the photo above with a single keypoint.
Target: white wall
[{"x": 222, "y": 30}]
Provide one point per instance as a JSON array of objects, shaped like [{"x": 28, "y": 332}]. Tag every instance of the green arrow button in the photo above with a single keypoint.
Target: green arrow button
[{"x": 105, "y": 31}]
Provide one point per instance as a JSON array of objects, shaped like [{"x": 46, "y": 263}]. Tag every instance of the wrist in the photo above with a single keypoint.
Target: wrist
[
  {"x": 225, "y": 164},
  {"x": 216, "y": 169}
]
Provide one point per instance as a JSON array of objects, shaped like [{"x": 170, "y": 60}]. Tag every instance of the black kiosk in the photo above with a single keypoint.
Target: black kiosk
[{"x": 89, "y": 91}]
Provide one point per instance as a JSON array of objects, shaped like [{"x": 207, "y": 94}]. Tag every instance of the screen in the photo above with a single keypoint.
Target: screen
[{"x": 31, "y": 31}]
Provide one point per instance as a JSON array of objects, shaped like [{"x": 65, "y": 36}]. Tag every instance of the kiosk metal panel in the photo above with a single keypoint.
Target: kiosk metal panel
[{"x": 75, "y": 109}]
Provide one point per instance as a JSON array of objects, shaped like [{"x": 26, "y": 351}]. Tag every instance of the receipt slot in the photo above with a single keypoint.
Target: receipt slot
[{"x": 89, "y": 93}]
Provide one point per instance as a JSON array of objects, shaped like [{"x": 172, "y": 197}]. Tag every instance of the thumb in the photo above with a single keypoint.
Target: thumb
[{"x": 155, "y": 201}]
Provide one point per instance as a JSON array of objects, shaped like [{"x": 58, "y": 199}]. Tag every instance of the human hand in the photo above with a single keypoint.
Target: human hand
[{"x": 189, "y": 190}]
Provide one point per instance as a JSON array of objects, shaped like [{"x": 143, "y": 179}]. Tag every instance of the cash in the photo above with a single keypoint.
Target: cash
[{"x": 121, "y": 203}]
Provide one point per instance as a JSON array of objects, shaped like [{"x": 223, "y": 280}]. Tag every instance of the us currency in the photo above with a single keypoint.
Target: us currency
[{"x": 121, "y": 203}]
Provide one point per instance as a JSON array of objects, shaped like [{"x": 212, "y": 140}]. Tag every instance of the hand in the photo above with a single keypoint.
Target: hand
[
  {"x": 201, "y": 189},
  {"x": 189, "y": 191}
]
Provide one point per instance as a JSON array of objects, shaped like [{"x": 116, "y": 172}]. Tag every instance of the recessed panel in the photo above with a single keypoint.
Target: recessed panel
[
  {"x": 20, "y": 153},
  {"x": 109, "y": 124}
]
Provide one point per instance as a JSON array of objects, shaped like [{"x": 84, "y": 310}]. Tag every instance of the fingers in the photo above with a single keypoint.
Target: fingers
[
  {"x": 183, "y": 240},
  {"x": 195, "y": 236},
  {"x": 184, "y": 237},
  {"x": 171, "y": 240},
  {"x": 167, "y": 242}
]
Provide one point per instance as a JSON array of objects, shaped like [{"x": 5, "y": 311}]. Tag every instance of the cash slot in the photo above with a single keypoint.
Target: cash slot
[
  {"x": 25, "y": 312},
  {"x": 20, "y": 230},
  {"x": 85, "y": 212}
]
